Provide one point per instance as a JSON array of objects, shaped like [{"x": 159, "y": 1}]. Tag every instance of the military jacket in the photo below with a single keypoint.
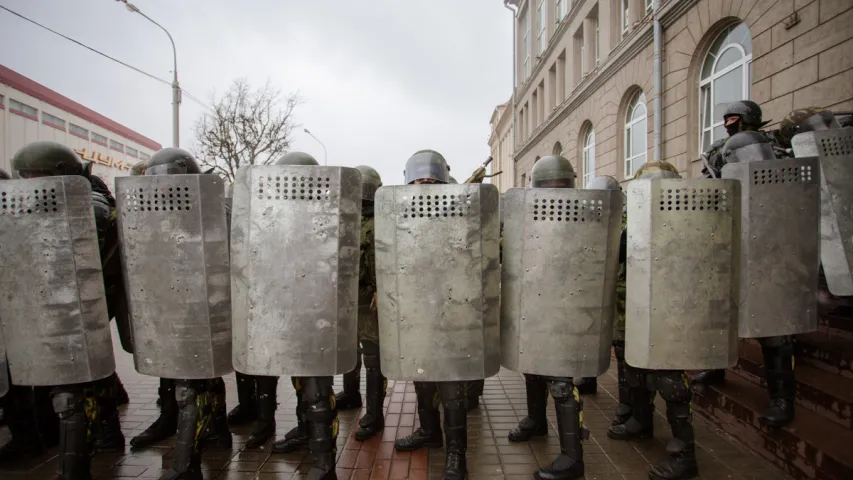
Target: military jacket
[
  {"x": 619, "y": 311},
  {"x": 368, "y": 319}
]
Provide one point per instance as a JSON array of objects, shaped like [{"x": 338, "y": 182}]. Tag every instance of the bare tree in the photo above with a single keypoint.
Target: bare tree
[{"x": 246, "y": 127}]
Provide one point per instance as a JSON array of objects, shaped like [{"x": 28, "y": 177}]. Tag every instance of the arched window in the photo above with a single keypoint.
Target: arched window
[
  {"x": 588, "y": 157},
  {"x": 726, "y": 77},
  {"x": 636, "y": 133},
  {"x": 558, "y": 149}
]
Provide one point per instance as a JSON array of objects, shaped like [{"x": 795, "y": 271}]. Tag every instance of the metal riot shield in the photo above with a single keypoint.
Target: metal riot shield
[
  {"x": 834, "y": 148},
  {"x": 438, "y": 281},
  {"x": 682, "y": 274},
  {"x": 52, "y": 304},
  {"x": 295, "y": 243},
  {"x": 779, "y": 258},
  {"x": 175, "y": 257},
  {"x": 558, "y": 282}
]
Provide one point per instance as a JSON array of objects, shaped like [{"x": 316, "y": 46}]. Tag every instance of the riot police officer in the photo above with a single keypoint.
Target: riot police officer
[
  {"x": 672, "y": 386},
  {"x": 430, "y": 167},
  {"x": 740, "y": 116},
  {"x": 88, "y": 412}
]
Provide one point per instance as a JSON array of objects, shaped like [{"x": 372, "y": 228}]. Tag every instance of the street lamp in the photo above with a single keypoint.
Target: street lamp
[
  {"x": 325, "y": 155},
  {"x": 176, "y": 89}
]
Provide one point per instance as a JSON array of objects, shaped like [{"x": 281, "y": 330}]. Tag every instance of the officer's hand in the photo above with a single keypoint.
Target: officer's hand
[{"x": 373, "y": 303}]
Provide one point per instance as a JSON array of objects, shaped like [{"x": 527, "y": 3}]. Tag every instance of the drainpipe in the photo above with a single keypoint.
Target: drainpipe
[
  {"x": 511, "y": 6},
  {"x": 658, "y": 80}
]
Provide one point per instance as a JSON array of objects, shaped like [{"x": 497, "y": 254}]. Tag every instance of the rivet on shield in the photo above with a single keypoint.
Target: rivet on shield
[{"x": 401, "y": 357}]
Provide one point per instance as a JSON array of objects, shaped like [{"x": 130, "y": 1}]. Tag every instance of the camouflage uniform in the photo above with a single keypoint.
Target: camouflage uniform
[{"x": 671, "y": 384}]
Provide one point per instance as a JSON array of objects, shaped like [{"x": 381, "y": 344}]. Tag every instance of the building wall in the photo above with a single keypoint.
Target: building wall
[
  {"x": 796, "y": 62},
  {"x": 501, "y": 145},
  {"x": 18, "y": 128}
]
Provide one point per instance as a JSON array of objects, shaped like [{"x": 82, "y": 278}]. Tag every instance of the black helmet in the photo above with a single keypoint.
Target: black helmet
[
  {"x": 296, "y": 158},
  {"x": 552, "y": 168},
  {"x": 4, "y": 175},
  {"x": 603, "y": 182},
  {"x": 426, "y": 164},
  {"x": 46, "y": 159},
  {"x": 370, "y": 182},
  {"x": 748, "y": 111},
  {"x": 748, "y": 147},
  {"x": 172, "y": 161}
]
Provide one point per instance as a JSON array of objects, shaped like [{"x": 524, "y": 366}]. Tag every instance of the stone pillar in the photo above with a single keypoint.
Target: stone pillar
[{"x": 589, "y": 44}]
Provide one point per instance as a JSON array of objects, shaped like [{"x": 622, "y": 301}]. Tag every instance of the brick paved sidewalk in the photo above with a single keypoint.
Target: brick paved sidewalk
[{"x": 490, "y": 454}]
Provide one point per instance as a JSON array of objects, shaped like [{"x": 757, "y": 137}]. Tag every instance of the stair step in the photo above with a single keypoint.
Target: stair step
[
  {"x": 829, "y": 395},
  {"x": 811, "y": 447},
  {"x": 826, "y": 352},
  {"x": 839, "y": 323}
]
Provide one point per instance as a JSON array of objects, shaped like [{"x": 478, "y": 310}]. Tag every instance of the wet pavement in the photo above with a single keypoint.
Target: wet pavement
[{"x": 490, "y": 454}]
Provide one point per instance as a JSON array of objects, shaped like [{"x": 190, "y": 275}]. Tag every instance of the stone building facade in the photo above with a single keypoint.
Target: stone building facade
[{"x": 585, "y": 77}]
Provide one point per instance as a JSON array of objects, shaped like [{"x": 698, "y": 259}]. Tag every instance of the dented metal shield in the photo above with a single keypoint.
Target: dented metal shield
[
  {"x": 779, "y": 257},
  {"x": 558, "y": 283},
  {"x": 295, "y": 243},
  {"x": 438, "y": 281},
  {"x": 834, "y": 148},
  {"x": 175, "y": 257},
  {"x": 52, "y": 302},
  {"x": 682, "y": 274}
]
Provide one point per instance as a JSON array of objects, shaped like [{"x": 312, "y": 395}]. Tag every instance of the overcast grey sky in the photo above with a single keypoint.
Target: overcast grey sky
[{"x": 381, "y": 78}]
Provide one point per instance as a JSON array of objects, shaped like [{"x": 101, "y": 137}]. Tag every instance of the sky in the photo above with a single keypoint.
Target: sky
[{"x": 380, "y": 79}]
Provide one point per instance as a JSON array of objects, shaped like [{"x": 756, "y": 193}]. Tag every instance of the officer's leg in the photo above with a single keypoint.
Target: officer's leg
[
  {"x": 264, "y": 427},
  {"x": 75, "y": 449},
  {"x": 217, "y": 434},
  {"x": 298, "y": 435},
  {"x": 569, "y": 464},
  {"x": 350, "y": 397},
  {"x": 107, "y": 428},
  {"x": 373, "y": 419},
  {"x": 167, "y": 423},
  {"x": 244, "y": 412},
  {"x": 681, "y": 464},
  {"x": 709, "y": 377},
  {"x": 453, "y": 397},
  {"x": 429, "y": 433},
  {"x": 781, "y": 383},
  {"x": 33, "y": 430},
  {"x": 623, "y": 410},
  {"x": 589, "y": 386},
  {"x": 121, "y": 394},
  {"x": 322, "y": 426},
  {"x": 475, "y": 391},
  {"x": 535, "y": 424},
  {"x": 641, "y": 423},
  {"x": 196, "y": 403}
]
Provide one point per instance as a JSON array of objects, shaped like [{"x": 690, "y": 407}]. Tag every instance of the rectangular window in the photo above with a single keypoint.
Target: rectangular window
[
  {"x": 624, "y": 16},
  {"x": 2, "y": 103},
  {"x": 78, "y": 131},
  {"x": 526, "y": 47},
  {"x": 597, "y": 42},
  {"x": 583, "y": 55},
  {"x": 23, "y": 109},
  {"x": 540, "y": 15},
  {"x": 99, "y": 139},
  {"x": 649, "y": 6},
  {"x": 116, "y": 146},
  {"x": 52, "y": 121},
  {"x": 132, "y": 152},
  {"x": 144, "y": 156},
  {"x": 560, "y": 14}
]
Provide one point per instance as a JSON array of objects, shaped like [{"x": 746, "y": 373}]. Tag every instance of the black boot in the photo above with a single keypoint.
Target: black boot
[
  {"x": 569, "y": 464},
  {"x": 428, "y": 435},
  {"x": 297, "y": 437},
  {"x": 107, "y": 427},
  {"x": 535, "y": 424},
  {"x": 589, "y": 386},
  {"x": 244, "y": 413},
  {"x": 166, "y": 424},
  {"x": 373, "y": 420},
  {"x": 350, "y": 397},
  {"x": 623, "y": 410},
  {"x": 187, "y": 462},
  {"x": 122, "y": 398},
  {"x": 264, "y": 428},
  {"x": 709, "y": 377},
  {"x": 781, "y": 383},
  {"x": 681, "y": 464},
  {"x": 475, "y": 391},
  {"x": 455, "y": 429},
  {"x": 22, "y": 416},
  {"x": 323, "y": 426},
  {"x": 74, "y": 453},
  {"x": 641, "y": 422},
  {"x": 217, "y": 435}
]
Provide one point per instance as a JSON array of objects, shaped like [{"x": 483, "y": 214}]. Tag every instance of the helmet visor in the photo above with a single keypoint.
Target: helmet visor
[{"x": 433, "y": 170}]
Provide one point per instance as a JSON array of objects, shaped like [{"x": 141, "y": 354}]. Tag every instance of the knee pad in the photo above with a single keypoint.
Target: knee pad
[
  {"x": 185, "y": 396},
  {"x": 67, "y": 403},
  {"x": 561, "y": 389},
  {"x": 453, "y": 394},
  {"x": 673, "y": 386}
]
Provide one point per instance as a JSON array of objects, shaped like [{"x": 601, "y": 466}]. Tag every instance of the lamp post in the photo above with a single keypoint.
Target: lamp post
[
  {"x": 176, "y": 89},
  {"x": 325, "y": 154}
]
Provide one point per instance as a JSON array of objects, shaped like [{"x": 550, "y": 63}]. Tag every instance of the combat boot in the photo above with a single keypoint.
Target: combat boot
[
  {"x": 264, "y": 428},
  {"x": 781, "y": 385},
  {"x": 623, "y": 409},
  {"x": 108, "y": 434},
  {"x": 166, "y": 424},
  {"x": 373, "y": 420},
  {"x": 681, "y": 464},
  {"x": 74, "y": 458},
  {"x": 569, "y": 464},
  {"x": 455, "y": 430},
  {"x": 297, "y": 437},
  {"x": 323, "y": 426},
  {"x": 244, "y": 413},
  {"x": 350, "y": 397},
  {"x": 33, "y": 425},
  {"x": 428, "y": 435},
  {"x": 641, "y": 423},
  {"x": 535, "y": 424},
  {"x": 709, "y": 377},
  {"x": 187, "y": 462},
  {"x": 217, "y": 435},
  {"x": 188, "y": 471}
]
